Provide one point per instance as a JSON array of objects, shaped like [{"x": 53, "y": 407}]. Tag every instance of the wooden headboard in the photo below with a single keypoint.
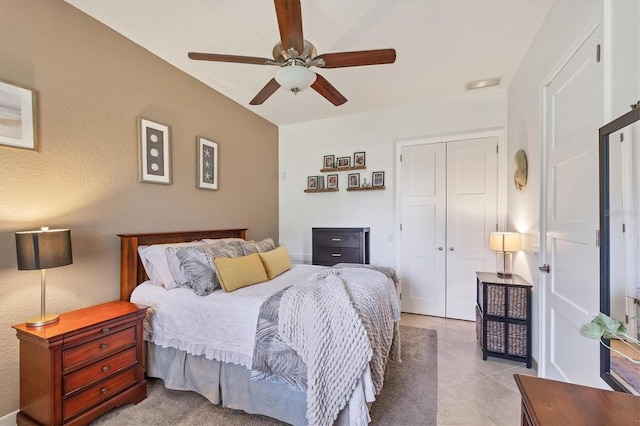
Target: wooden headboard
[{"x": 132, "y": 272}]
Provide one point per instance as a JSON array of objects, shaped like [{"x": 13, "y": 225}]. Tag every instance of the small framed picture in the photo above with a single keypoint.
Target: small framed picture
[
  {"x": 207, "y": 165},
  {"x": 359, "y": 159},
  {"x": 17, "y": 117},
  {"x": 320, "y": 182},
  {"x": 329, "y": 161},
  {"x": 344, "y": 161},
  {"x": 312, "y": 182},
  {"x": 332, "y": 181},
  {"x": 155, "y": 162},
  {"x": 354, "y": 180},
  {"x": 377, "y": 179}
]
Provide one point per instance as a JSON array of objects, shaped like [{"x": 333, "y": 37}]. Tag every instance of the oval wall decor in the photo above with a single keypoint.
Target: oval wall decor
[{"x": 520, "y": 175}]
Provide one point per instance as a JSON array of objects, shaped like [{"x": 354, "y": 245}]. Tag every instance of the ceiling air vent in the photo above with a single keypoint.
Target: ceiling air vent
[{"x": 478, "y": 84}]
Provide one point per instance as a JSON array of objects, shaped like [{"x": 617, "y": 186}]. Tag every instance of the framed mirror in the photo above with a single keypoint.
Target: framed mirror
[{"x": 620, "y": 245}]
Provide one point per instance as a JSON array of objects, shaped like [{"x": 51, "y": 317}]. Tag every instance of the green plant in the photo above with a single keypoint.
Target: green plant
[{"x": 603, "y": 326}]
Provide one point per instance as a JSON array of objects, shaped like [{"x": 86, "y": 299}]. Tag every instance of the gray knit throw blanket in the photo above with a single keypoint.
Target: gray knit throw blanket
[{"x": 339, "y": 320}]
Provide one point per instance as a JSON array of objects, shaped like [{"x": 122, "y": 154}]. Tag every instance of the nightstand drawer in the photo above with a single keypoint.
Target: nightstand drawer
[
  {"x": 98, "y": 393},
  {"x": 87, "y": 353},
  {"x": 339, "y": 239},
  {"x": 338, "y": 254},
  {"x": 98, "y": 371},
  {"x": 107, "y": 329}
]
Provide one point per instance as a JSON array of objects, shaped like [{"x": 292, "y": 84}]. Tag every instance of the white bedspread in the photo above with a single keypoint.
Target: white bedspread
[{"x": 220, "y": 326}]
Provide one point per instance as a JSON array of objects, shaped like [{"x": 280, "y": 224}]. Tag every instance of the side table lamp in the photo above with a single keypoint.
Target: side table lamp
[
  {"x": 504, "y": 243},
  {"x": 41, "y": 250}
]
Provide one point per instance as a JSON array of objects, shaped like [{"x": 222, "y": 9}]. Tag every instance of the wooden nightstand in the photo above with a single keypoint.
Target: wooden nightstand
[{"x": 82, "y": 366}]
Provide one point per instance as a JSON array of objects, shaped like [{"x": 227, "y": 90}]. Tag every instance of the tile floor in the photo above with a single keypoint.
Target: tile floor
[{"x": 471, "y": 391}]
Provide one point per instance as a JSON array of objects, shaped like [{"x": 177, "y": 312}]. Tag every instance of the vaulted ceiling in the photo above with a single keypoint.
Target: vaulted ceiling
[{"x": 441, "y": 45}]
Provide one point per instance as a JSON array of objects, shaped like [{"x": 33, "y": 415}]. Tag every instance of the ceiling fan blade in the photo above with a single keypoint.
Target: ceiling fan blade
[
  {"x": 231, "y": 58},
  {"x": 359, "y": 58},
  {"x": 266, "y": 91},
  {"x": 289, "y": 15},
  {"x": 330, "y": 93}
]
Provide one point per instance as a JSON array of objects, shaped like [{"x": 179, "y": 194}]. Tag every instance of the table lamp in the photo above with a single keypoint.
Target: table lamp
[
  {"x": 42, "y": 250},
  {"x": 505, "y": 243}
]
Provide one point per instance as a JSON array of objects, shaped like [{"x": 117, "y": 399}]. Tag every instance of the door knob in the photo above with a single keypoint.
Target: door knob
[
  {"x": 545, "y": 268},
  {"x": 450, "y": 248},
  {"x": 440, "y": 248}
]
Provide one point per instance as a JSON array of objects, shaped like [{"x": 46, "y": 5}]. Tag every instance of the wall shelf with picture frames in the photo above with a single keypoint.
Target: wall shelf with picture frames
[
  {"x": 334, "y": 164},
  {"x": 322, "y": 190}
]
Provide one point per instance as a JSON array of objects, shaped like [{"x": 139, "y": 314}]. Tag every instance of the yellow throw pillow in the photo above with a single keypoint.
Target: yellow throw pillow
[
  {"x": 276, "y": 261},
  {"x": 238, "y": 272}
]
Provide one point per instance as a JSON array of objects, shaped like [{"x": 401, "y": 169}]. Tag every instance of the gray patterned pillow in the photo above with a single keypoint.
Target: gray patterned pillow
[
  {"x": 196, "y": 269},
  {"x": 250, "y": 247}
]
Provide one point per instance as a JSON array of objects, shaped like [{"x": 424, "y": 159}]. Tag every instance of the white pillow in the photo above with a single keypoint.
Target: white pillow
[{"x": 154, "y": 260}]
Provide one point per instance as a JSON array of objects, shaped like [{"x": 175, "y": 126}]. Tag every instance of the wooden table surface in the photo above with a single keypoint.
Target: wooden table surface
[{"x": 550, "y": 402}]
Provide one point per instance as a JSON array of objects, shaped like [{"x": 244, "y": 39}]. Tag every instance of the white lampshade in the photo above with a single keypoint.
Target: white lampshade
[
  {"x": 504, "y": 241},
  {"x": 295, "y": 78}
]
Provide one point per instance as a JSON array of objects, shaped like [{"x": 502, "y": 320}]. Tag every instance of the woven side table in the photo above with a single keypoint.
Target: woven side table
[{"x": 503, "y": 317}]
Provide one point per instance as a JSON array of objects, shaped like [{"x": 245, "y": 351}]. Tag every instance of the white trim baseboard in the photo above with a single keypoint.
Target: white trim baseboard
[{"x": 9, "y": 419}]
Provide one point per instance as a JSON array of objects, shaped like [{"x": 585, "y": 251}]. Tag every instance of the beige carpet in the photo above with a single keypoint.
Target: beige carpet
[{"x": 409, "y": 396}]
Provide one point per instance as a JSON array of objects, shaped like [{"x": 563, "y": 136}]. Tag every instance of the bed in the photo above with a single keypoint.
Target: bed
[{"x": 215, "y": 352}]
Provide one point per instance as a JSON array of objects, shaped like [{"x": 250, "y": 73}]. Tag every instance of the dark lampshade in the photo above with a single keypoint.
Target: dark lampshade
[{"x": 43, "y": 249}]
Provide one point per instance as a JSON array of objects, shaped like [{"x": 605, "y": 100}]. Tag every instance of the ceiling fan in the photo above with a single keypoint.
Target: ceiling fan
[{"x": 295, "y": 55}]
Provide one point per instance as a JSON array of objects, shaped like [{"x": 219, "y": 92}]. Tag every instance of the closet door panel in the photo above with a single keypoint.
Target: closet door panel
[
  {"x": 471, "y": 216},
  {"x": 423, "y": 229}
]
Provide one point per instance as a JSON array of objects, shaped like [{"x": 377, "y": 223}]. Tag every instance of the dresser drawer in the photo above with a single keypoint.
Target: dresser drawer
[
  {"x": 97, "y": 393},
  {"x": 98, "y": 348},
  {"x": 338, "y": 239},
  {"x": 98, "y": 371},
  {"x": 338, "y": 254}
]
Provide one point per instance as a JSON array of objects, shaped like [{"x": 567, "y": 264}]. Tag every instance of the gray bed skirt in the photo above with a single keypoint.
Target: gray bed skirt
[{"x": 229, "y": 385}]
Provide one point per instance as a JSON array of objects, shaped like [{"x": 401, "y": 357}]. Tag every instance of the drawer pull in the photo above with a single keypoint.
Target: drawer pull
[
  {"x": 105, "y": 330},
  {"x": 105, "y": 368},
  {"x": 336, "y": 239},
  {"x": 104, "y": 390},
  {"x": 336, "y": 255},
  {"x": 104, "y": 346}
]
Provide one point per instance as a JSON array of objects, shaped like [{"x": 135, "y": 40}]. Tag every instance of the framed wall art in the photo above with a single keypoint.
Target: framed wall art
[
  {"x": 155, "y": 161},
  {"x": 354, "y": 180},
  {"x": 332, "y": 181},
  {"x": 329, "y": 161},
  {"x": 17, "y": 117},
  {"x": 207, "y": 167},
  {"x": 377, "y": 179},
  {"x": 312, "y": 182},
  {"x": 344, "y": 161},
  {"x": 359, "y": 159}
]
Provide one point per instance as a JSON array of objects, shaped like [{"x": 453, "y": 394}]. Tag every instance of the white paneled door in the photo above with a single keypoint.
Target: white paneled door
[
  {"x": 449, "y": 208},
  {"x": 424, "y": 199},
  {"x": 573, "y": 114},
  {"x": 471, "y": 216}
]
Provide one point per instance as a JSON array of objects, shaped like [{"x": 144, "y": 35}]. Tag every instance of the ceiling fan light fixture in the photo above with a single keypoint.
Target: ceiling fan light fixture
[{"x": 295, "y": 78}]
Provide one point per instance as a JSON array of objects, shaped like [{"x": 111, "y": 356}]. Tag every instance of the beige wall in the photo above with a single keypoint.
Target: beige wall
[{"x": 92, "y": 85}]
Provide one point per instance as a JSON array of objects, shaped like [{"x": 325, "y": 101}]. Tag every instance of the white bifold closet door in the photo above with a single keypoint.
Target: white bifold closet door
[{"x": 449, "y": 208}]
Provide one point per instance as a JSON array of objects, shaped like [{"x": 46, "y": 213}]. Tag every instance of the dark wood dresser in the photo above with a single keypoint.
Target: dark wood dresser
[
  {"x": 79, "y": 368},
  {"x": 549, "y": 402},
  {"x": 337, "y": 245}
]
